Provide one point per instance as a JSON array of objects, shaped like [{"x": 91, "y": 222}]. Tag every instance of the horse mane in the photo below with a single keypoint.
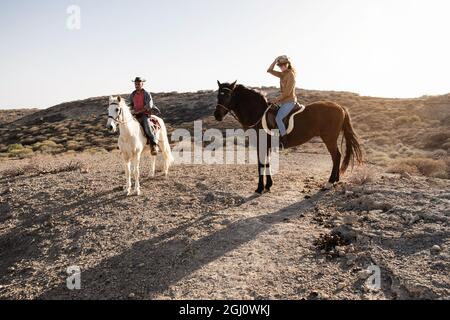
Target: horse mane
[
  {"x": 124, "y": 105},
  {"x": 252, "y": 94}
]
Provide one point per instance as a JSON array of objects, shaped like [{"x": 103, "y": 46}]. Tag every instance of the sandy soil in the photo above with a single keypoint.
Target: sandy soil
[{"x": 202, "y": 234}]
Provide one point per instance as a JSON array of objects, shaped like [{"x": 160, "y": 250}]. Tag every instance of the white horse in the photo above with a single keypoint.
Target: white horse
[{"x": 132, "y": 141}]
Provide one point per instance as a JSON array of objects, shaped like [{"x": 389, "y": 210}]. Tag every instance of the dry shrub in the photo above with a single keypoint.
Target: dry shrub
[
  {"x": 439, "y": 154},
  {"x": 424, "y": 166},
  {"x": 14, "y": 147},
  {"x": 38, "y": 167},
  {"x": 380, "y": 158},
  {"x": 363, "y": 175},
  {"x": 436, "y": 140},
  {"x": 74, "y": 145},
  {"x": 406, "y": 120},
  {"x": 47, "y": 146},
  {"x": 13, "y": 172},
  {"x": 382, "y": 140},
  {"x": 70, "y": 166},
  {"x": 18, "y": 150},
  {"x": 394, "y": 155},
  {"x": 362, "y": 127},
  {"x": 94, "y": 150}
]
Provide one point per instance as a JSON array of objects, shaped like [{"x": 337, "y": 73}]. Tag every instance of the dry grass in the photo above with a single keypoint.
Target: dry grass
[
  {"x": 47, "y": 167},
  {"x": 421, "y": 166},
  {"x": 362, "y": 176},
  {"x": 407, "y": 120}
]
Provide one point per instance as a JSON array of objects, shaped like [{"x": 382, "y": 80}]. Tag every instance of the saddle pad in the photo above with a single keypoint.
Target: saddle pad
[
  {"x": 155, "y": 123},
  {"x": 289, "y": 120}
]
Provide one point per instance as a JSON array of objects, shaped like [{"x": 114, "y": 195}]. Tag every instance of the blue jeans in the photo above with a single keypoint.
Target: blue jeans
[
  {"x": 284, "y": 111},
  {"x": 144, "y": 120}
]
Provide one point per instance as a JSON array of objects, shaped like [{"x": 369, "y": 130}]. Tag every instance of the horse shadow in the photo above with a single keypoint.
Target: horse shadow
[{"x": 151, "y": 266}]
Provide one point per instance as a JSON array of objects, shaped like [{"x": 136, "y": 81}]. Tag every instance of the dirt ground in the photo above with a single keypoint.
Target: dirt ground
[{"x": 202, "y": 233}]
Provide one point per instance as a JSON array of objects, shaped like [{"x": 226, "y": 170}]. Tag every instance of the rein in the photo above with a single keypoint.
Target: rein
[
  {"x": 230, "y": 111},
  {"x": 233, "y": 113}
]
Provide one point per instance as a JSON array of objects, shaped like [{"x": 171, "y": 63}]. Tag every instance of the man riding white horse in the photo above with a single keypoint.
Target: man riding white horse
[{"x": 141, "y": 103}]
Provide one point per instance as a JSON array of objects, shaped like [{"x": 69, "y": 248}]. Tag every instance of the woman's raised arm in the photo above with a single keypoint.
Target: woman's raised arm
[{"x": 272, "y": 71}]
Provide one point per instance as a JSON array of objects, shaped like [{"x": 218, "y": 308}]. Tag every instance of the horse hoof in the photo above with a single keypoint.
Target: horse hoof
[
  {"x": 266, "y": 190},
  {"x": 138, "y": 192},
  {"x": 327, "y": 186},
  {"x": 259, "y": 191}
]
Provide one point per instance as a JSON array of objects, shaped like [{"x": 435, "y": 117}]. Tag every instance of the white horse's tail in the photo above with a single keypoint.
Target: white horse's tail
[
  {"x": 167, "y": 151},
  {"x": 165, "y": 147}
]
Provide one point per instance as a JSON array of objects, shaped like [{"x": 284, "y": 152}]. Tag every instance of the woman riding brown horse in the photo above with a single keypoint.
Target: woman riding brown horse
[{"x": 320, "y": 119}]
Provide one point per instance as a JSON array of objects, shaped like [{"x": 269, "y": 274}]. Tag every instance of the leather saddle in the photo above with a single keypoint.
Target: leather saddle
[{"x": 272, "y": 113}]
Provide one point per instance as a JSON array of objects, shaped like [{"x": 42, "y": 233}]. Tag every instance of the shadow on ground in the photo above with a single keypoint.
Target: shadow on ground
[{"x": 152, "y": 266}]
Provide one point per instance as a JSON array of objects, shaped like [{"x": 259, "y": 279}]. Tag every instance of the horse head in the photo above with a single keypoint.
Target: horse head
[
  {"x": 224, "y": 100},
  {"x": 115, "y": 113}
]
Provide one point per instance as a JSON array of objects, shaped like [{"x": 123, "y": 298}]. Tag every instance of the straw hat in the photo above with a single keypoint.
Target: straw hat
[{"x": 283, "y": 60}]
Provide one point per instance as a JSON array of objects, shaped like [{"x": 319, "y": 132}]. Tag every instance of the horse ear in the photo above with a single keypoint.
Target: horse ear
[
  {"x": 111, "y": 99},
  {"x": 218, "y": 82},
  {"x": 234, "y": 84},
  {"x": 119, "y": 98}
]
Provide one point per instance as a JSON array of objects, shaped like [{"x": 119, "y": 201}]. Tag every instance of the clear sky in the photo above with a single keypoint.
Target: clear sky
[{"x": 390, "y": 48}]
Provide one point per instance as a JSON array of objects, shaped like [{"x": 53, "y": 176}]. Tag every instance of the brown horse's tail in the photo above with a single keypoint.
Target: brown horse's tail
[{"x": 353, "y": 148}]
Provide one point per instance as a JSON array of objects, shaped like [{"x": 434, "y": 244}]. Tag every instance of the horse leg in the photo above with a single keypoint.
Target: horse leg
[
  {"x": 128, "y": 176},
  {"x": 261, "y": 170},
  {"x": 332, "y": 147},
  {"x": 152, "y": 165},
  {"x": 136, "y": 170},
  {"x": 269, "y": 181}
]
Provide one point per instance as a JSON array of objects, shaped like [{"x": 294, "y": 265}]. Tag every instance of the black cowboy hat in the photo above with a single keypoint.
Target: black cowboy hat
[{"x": 139, "y": 79}]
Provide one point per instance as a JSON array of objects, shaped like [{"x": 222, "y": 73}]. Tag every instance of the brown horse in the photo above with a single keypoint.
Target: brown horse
[{"x": 320, "y": 119}]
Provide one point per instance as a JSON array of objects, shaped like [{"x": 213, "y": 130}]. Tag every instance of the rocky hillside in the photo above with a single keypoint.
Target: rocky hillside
[{"x": 409, "y": 135}]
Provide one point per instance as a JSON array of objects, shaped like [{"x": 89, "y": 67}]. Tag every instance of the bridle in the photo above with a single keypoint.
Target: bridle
[
  {"x": 118, "y": 114},
  {"x": 233, "y": 113}
]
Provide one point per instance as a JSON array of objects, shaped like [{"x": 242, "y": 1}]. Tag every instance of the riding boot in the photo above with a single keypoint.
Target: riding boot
[{"x": 150, "y": 136}]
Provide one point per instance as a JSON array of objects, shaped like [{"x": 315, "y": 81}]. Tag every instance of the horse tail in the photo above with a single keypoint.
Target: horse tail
[
  {"x": 353, "y": 148},
  {"x": 166, "y": 150}
]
